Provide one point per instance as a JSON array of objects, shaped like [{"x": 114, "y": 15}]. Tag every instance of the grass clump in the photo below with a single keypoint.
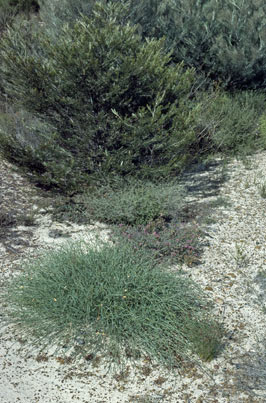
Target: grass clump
[{"x": 113, "y": 299}]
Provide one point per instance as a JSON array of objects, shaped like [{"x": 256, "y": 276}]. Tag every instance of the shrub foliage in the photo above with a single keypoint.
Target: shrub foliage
[
  {"x": 134, "y": 202},
  {"x": 10, "y": 8},
  {"x": 228, "y": 123},
  {"x": 224, "y": 39},
  {"x": 115, "y": 103}
]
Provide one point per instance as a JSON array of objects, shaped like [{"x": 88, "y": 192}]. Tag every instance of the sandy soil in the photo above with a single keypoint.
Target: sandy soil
[{"x": 231, "y": 273}]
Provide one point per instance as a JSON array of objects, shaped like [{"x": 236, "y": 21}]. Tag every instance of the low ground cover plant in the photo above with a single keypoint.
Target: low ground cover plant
[
  {"x": 169, "y": 242},
  {"x": 112, "y": 299},
  {"x": 134, "y": 202}
]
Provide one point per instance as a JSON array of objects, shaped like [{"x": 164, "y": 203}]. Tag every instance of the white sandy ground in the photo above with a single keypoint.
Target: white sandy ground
[{"x": 228, "y": 273}]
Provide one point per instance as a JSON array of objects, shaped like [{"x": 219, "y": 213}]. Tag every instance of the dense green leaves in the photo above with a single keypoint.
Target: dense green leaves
[
  {"x": 115, "y": 102},
  {"x": 222, "y": 39}
]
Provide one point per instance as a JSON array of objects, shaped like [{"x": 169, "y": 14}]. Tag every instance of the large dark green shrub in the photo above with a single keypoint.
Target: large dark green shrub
[
  {"x": 225, "y": 39},
  {"x": 115, "y": 103},
  {"x": 6, "y": 16},
  {"x": 29, "y": 142},
  {"x": 10, "y": 10}
]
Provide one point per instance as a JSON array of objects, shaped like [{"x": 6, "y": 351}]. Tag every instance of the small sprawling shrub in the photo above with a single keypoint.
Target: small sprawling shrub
[
  {"x": 148, "y": 215},
  {"x": 111, "y": 300},
  {"x": 116, "y": 104},
  {"x": 170, "y": 242},
  {"x": 133, "y": 202},
  {"x": 151, "y": 216}
]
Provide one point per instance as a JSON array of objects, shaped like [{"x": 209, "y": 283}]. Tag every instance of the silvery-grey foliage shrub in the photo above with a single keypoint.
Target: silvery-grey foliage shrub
[{"x": 224, "y": 39}]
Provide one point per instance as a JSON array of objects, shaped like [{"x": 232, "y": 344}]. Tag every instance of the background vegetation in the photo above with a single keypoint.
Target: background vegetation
[{"x": 223, "y": 39}]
